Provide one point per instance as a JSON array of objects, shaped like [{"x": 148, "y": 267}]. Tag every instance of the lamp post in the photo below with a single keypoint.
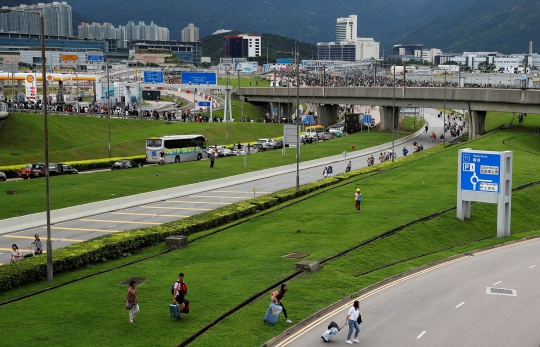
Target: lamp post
[
  {"x": 393, "y": 113},
  {"x": 444, "y": 112},
  {"x": 108, "y": 106},
  {"x": 297, "y": 54},
  {"x": 46, "y": 139}
]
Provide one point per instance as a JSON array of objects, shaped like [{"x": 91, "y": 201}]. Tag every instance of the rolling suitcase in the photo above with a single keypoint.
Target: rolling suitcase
[
  {"x": 175, "y": 311},
  {"x": 273, "y": 313},
  {"x": 332, "y": 331},
  {"x": 186, "y": 307}
]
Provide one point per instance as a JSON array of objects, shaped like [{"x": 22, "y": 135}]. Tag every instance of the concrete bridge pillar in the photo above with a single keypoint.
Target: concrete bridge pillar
[
  {"x": 387, "y": 120},
  {"x": 2, "y": 97},
  {"x": 478, "y": 122},
  {"x": 327, "y": 114}
]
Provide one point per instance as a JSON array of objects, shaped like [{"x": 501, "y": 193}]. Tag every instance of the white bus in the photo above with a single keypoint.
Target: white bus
[{"x": 177, "y": 148}]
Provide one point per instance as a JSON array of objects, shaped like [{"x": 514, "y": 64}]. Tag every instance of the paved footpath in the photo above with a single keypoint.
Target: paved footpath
[{"x": 80, "y": 223}]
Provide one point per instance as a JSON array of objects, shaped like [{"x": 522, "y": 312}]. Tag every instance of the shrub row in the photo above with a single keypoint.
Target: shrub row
[
  {"x": 11, "y": 170},
  {"x": 116, "y": 245}
]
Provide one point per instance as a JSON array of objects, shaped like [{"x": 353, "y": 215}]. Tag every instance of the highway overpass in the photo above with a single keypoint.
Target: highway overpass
[{"x": 476, "y": 100}]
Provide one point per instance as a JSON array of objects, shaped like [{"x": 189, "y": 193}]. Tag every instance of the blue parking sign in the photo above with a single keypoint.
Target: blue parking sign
[{"x": 480, "y": 171}]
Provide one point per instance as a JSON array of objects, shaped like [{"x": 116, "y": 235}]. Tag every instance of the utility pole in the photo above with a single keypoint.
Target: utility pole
[{"x": 393, "y": 114}]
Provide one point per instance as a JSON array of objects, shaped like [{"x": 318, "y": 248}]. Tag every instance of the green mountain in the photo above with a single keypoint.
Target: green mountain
[{"x": 494, "y": 25}]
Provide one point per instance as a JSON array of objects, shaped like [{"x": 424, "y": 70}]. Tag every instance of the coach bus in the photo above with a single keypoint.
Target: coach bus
[{"x": 177, "y": 148}]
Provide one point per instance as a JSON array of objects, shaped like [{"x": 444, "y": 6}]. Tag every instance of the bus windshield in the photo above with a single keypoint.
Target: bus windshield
[{"x": 153, "y": 143}]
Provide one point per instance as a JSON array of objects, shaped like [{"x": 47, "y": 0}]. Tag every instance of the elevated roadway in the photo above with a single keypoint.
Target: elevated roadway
[{"x": 476, "y": 100}]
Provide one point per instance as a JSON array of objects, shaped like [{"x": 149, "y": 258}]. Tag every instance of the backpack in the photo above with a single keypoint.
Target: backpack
[
  {"x": 273, "y": 295},
  {"x": 183, "y": 288},
  {"x": 359, "y": 198}
]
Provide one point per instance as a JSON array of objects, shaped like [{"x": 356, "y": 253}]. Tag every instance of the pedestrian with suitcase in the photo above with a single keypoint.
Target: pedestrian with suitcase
[
  {"x": 178, "y": 291},
  {"x": 352, "y": 320},
  {"x": 277, "y": 300}
]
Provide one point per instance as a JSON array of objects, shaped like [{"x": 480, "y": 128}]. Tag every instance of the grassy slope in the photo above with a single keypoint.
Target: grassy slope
[
  {"x": 224, "y": 269},
  {"x": 79, "y": 138}
]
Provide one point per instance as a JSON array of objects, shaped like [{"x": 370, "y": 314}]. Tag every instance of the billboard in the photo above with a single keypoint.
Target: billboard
[
  {"x": 94, "y": 57},
  {"x": 209, "y": 78}
]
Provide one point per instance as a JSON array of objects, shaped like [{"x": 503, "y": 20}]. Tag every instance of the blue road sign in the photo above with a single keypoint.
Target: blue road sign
[
  {"x": 203, "y": 103},
  {"x": 200, "y": 78},
  {"x": 95, "y": 58},
  {"x": 480, "y": 172},
  {"x": 153, "y": 77},
  {"x": 366, "y": 119}
]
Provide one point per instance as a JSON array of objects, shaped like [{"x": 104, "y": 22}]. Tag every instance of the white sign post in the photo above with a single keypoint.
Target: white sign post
[{"x": 485, "y": 176}]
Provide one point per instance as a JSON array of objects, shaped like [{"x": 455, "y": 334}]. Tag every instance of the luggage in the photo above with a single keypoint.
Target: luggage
[
  {"x": 273, "y": 313},
  {"x": 28, "y": 255},
  {"x": 328, "y": 334},
  {"x": 175, "y": 310},
  {"x": 186, "y": 307},
  {"x": 332, "y": 331}
]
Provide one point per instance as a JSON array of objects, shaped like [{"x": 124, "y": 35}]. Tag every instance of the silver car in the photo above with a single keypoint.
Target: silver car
[{"x": 2, "y": 177}]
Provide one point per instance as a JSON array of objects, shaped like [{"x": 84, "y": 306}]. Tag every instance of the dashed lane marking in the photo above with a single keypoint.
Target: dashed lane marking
[
  {"x": 117, "y": 221},
  {"x": 178, "y": 208},
  {"x": 85, "y": 229},
  {"x": 419, "y": 336},
  {"x": 220, "y": 197},
  {"x": 200, "y": 202},
  {"x": 239, "y": 191},
  {"x": 460, "y": 304},
  {"x": 150, "y": 214}
]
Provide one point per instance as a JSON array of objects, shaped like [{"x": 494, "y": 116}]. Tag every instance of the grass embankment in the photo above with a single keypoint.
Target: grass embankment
[
  {"x": 224, "y": 269},
  {"x": 78, "y": 138},
  {"x": 244, "y": 81},
  {"x": 79, "y": 189}
]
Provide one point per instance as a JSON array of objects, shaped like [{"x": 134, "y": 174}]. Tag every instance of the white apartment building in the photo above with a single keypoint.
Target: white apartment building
[
  {"x": 346, "y": 28},
  {"x": 190, "y": 33},
  {"x": 57, "y": 19}
]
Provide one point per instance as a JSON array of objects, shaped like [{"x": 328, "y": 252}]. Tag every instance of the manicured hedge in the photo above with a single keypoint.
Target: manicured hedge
[{"x": 11, "y": 170}]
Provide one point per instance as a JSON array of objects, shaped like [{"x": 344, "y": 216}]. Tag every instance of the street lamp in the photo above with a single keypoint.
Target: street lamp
[
  {"x": 297, "y": 54},
  {"x": 46, "y": 140}
]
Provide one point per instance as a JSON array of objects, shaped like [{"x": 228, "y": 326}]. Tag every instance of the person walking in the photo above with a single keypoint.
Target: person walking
[
  {"x": 133, "y": 300},
  {"x": 405, "y": 151},
  {"x": 212, "y": 158},
  {"x": 277, "y": 300},
  {"x": 161, "y": 158},
  {"x": 16, "y": 254},
  {"x": 37, "y": 245},
  {"x": 179, "y": 293},
  {"x": 325, "y": 172},
  {"x": 357, "y": 199},
  {"x": 351, "y": 320},
  {"x": 349, "y": 166}
]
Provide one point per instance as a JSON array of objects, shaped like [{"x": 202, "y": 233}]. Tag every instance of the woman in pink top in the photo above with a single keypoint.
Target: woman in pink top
[{"x": 16, "y": 255}]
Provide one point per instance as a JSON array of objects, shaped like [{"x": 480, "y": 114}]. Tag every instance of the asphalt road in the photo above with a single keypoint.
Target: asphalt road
[
  {"x": 79, "y": 230},
  {"x": 452, "y": 306}
]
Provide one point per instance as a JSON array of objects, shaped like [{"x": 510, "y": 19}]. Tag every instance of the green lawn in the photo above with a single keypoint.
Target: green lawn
[
  {"x": 79, "y": 189},
  {"x": 74, "y": 138},
  {"x": 224, "y": 269}
]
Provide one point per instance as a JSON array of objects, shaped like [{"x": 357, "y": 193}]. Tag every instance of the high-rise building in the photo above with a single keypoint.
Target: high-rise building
[
  {"x": 190, "y": 33},
  {"x": 131, "y": 31},
  {"x": 242, "y": 46},
  {"x": 347, "y": 28},
  {"x": 57, "y": 19}
]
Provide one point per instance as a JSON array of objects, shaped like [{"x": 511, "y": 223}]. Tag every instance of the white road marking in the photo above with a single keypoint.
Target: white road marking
[
  {"x": 497, "y": 283},
  {"x": 111, "y": 226},
  {"x": 419, "y": 336},
  {"x": 460, "y": 304},
  {"x": 530, "y": 267}
]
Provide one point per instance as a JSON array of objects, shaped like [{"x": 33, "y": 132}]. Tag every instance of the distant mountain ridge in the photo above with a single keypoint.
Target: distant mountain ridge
[{"x": 506, "y": 26}]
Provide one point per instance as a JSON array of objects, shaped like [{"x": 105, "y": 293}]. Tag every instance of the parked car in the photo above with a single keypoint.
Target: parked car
[
  {"x": 124, "y": 164},
  {"x": 278, "y": 144},
  {"x": 326, "y": 136},
  {"x": 268, "y": 146},
  {"x": 258, "y": 147},
  {"x": 2, "y": 177},
  {"x": 225, "y": 152},
  {"x": 56, "y": 169},
  {"x": 32, "y": 171}
]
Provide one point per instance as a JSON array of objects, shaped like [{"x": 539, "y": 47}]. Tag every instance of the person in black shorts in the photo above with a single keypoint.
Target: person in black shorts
[{"x": 180, "y": 292}]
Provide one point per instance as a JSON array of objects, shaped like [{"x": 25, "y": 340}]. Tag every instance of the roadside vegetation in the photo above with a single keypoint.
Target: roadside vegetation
[{"x": 225, "y": 268}]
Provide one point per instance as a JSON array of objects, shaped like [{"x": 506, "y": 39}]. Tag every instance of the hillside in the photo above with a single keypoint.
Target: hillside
[
  {"x": 212, "y": 46},
  {"x": 506, "y": 26}
]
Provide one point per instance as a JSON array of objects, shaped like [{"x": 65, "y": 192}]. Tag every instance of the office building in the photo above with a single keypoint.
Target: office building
[
  {"x": 430, "y": 55},
  {"x": 346, "y": 28},
  {"x": 407, "y": 53},
  {"x": 57, "y": 19},
  {"x": 342, "y": 51},
  {"x": 190, "y": 33},
  {"x": 242, "y": 46}
]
